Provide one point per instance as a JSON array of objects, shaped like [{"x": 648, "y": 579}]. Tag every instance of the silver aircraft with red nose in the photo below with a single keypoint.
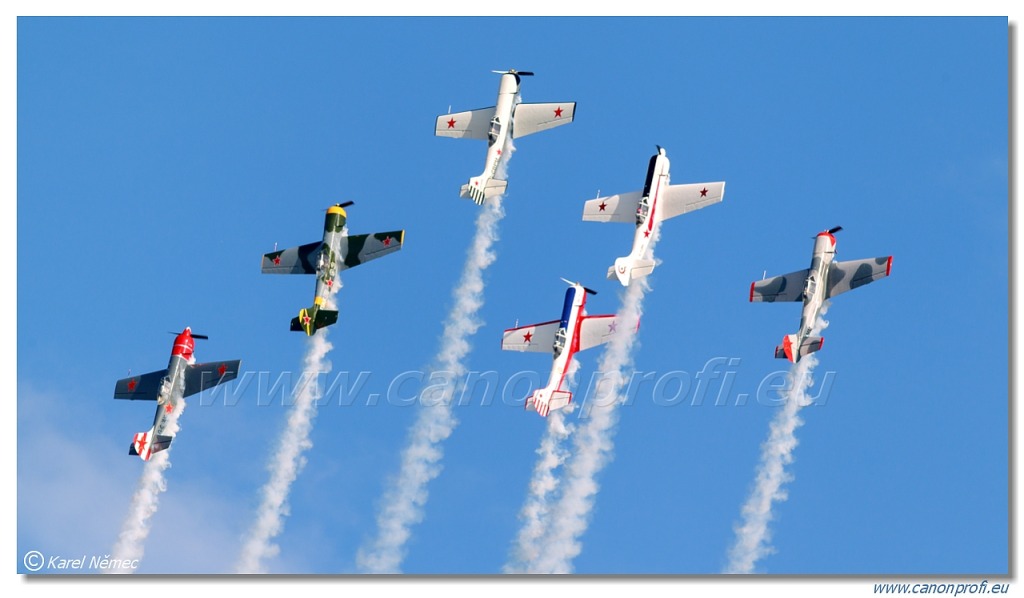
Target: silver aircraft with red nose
[
  {"x": 825, "y": 279},
  {"x": 183, "y": 377}
]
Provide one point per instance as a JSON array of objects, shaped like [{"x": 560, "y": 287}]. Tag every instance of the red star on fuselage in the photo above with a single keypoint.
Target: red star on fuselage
[
  {"x": 451, "y": 124},
  {"x": 647, "y": 233},
  {"x": 558, "y": 112},
  {"x": 168, "y": 408},
  {"x": 527, "y": 337}
]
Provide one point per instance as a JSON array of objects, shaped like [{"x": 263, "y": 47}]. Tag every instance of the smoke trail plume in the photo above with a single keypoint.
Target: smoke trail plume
[
  {"x": 593, "y": 444},
  {"x": 535, "y": 513},
  {"x": 288, "y": 460},
  {"x": 753, "y": 536},
  {"x": 145, "y": 501},
  {"x": 402, "y": 504}
]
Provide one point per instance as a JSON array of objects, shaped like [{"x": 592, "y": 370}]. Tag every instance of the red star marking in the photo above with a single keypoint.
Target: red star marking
[
  {"x": 330, "y": 282},
  {"x": 132, "y": 384},
  {"x": 223, "y": 368},
  {"x": 387, "y": 242},
  {"x": 647, "y": 233},
  {"x": 305, "y": 320},
  {"x": 499, "y": 152},
  {"x": 611, "y": 327},
  {"x": 602, "y": 206},
  {"x": 527, "y": 337},
  {"x": 558, "y": 112},
  {"x": 451, "y": 124},
  {"x": 277, "y": 260},
  {"x": 168, "y": 408},
  {"x": 704, "y": 192}
]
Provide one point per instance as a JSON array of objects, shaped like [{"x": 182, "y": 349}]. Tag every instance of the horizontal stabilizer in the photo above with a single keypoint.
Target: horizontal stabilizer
[
  {"x": 310, "y": 324},
  {"x": 789, "y": 349},
  {"x": 627, "y": 268},
  {"x": 547, "y": 401},
  {"x": 146, "y": 444},
  {"x": 479, "y": 189}
]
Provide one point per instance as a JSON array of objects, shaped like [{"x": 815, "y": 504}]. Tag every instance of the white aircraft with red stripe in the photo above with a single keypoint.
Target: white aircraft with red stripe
[
  {"x": 505, "y": 120},
  {"x": 647, "y": 208},
  {"x": 575, "y": 331},
  {"x": 825, "y": 279},
  {"x": 183, "y": 377}
]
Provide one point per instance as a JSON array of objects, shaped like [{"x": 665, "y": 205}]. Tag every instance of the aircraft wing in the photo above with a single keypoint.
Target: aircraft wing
[
  {"x": 294, "y": 260},
  {"x": 140, "y": 388},
  {"x": 614, "y": 208},
  {"x": 538, "y": 338},
  {"x": 597, "y": 330},
  {"x": 845, "y": 276},
  {"x": 680, "y": 199},
  {"x": 531, "y": 118},
  {"x": 200, "y": 376},
  {"x": 788, "y": 287},
  {"x": 363, "y": 248},
  {"x": 472, "y": 124}
]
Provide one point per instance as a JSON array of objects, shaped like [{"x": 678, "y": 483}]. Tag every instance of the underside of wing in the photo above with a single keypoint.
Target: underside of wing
[
  {"x": 845, "y": 276},
  {"x": 531, "y": 118},
  {"x": 788, "y": 287},
  {"x": 294, "y": 260},
  {"x": 140, "y": 388},
  {"x": 538, "y": 338},
  {"x": 472, "y": 124},
  {"x": 201, "y": 376},
  {"x": 614, "y": 208},
  {"x": 597, "y": 330},
  {"x": 680, "y": 199},
  {"x": 359, "y": 249}
]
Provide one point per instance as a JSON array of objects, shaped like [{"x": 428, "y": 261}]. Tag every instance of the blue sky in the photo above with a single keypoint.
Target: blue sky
[{"x": 159, "y": 158}]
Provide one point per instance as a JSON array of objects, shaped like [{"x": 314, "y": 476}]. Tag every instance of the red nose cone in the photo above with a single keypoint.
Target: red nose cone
[
  {"x": 830, "y": 236},
  {"x": 184, "y": 345}
]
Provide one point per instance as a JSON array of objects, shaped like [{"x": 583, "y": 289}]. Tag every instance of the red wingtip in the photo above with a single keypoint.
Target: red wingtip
[
  {"x": 752, "y": 291},
  {"x": 888, "y": 266},
  {"x": 821, "y": 343}
]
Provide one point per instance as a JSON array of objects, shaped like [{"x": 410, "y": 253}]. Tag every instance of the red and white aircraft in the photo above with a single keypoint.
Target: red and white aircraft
[
  {"x": 647, "y": 208},
  {"x": 183, "y": 377},
  {"x": 495, "y": 124},
  {"x": 575, "y": 331}
]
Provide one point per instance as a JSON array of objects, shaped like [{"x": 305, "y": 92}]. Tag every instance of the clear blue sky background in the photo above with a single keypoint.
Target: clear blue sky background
[{"x": 159, "y": 158}]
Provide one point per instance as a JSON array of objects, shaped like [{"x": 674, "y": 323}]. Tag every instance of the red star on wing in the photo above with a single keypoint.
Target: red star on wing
[
  {"x": 387, "y": 242},
  {"x": 528, "y": 337},
  {"x": 451, "y": 124},
  {"x": 223, "y": 368},
  {"x": 704, "y": 192},
  {"x": 132, "y": 384},
  {"x": 558, "y": 112},
  {"x": 277, "y": 260},
  {"x": 602, "y": 206},
  {"x": 611, "y": 327}
]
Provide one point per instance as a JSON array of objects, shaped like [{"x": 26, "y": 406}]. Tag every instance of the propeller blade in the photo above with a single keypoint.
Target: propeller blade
[
  {"x": 199, "y": 336},
  {"x": 834, "y": 229},
  {"x": 591, "y": 291},
  {"x": 346, "y": 204},
  {"x": 525, "y": 73}
]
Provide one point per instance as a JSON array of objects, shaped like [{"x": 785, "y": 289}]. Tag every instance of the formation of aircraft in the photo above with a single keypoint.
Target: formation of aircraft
[
  {"x": 825, "y": 279},
  {"x": 183, "y": 377},
  {"x": 647, "y": 208},
  {"x": 574, "y": 331},
  {"x": 506, "y": 119},
  {"x": 326, "y": 258}
]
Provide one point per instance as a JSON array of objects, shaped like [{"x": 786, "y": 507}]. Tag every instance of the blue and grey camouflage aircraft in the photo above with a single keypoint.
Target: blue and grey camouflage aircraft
[
  {"x": 823, "y": 280},
  {"x": 495, "y": 124},
  {"x": 183, "y": 377},
  {"x": 336, "y": 252}
]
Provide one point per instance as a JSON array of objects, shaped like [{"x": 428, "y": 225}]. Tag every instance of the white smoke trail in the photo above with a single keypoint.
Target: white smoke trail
[
  {"x": 135, "y": 529},
  {"x": 288, "y": 460},
  {"x": 753, "y": 536},
  {"x": 402, "y": 505},
  {"x": 593, "y": 444},
  {"x": 535, "y": 513}
]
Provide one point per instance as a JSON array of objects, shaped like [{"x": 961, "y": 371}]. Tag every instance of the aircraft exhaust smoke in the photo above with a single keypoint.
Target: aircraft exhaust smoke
[
  {"x": 402, "y": 504},
  {"x": 536, "y": 511},
  {"x": 753, "y": 535},
  {"x": 593, "y": 444},
  {"x": 288, "y": 460},
  {"x": 145, "y": 501}
]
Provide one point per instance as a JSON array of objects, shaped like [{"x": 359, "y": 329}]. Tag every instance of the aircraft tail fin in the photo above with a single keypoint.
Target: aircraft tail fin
[
  {"x": 480, "y": 188},
  {"x": 312, "y": 319},
  {"x": 628, "y": 268},
  {"x": 792, "y": 349},
  {"x": 147, "y": 444},
  {"x": 545, "y": 401}
]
